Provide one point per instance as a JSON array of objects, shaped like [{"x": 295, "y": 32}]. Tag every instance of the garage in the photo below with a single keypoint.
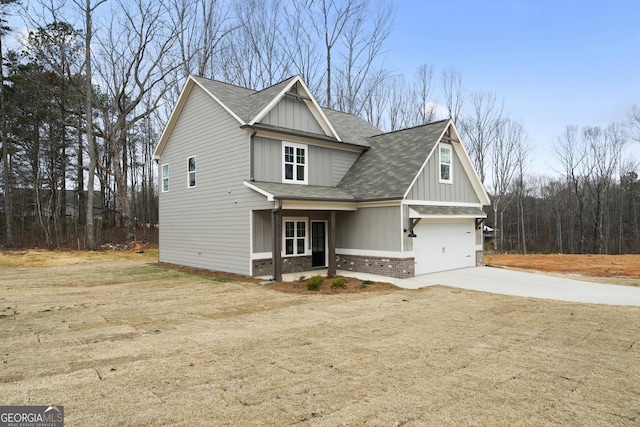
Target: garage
[{"x": 444, "y": 245}]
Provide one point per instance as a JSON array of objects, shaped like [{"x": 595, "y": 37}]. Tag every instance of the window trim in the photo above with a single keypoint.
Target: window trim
[
  {"x": 189, "y": 172},
  {"x": 450, "y": 164},
  {"x": 295, "y": 146},
  {"x": 295, "y": 220},
  {"x": 164, "y": 178}
]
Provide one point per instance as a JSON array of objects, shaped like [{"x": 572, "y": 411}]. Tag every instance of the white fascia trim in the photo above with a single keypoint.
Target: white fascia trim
[
  {"x": 380, "y": 204},
  {"x": 319, "y": 205},
  {"x": 318, "y": 113},
  {"x": 424, "y": 165},
  {"x": 372, "y": 253},
  {"x": 227, "y": 109},
  {"x": 268, "y": 195},
  {"x": 173, "y": 118},
  {"x": 261, "y": 255},
  {"x": 312, "y": 105},
  {"x": 441, "y": 203},
  {"x": 468, "y": 167},
  {"x": 337, "y": 145},
  {"x": 414, "y": 214}
]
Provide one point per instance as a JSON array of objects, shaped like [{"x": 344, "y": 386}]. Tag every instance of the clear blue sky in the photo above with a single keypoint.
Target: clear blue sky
[{"x": 555, "y": 62}]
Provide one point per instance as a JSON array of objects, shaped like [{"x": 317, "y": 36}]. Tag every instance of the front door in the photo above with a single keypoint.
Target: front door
[{"x": 318, "y": 244}]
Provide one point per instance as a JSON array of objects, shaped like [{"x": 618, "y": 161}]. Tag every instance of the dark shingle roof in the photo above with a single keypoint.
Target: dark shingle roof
[
  {"x": 247, "y": 103},
  {"x": 351, "y": 129},
  {"x": 303, "y": 192},
  {"x": 449, "y": 211},
  {"x": 393, "y": 161}
]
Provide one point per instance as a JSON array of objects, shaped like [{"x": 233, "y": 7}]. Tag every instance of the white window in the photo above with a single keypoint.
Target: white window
[
  {"x": 191, "y": 172},
  {"x": 294, "y": 164},
  {"x": 165, "y": 177},
  {"x": 295, "y": 236},
  {"x": 445, "y": 164}
]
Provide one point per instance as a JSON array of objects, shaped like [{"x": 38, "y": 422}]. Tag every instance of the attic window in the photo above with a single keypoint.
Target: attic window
[
  {"x": 294, "y": 165},
  {"x": 445, "y": 164}
]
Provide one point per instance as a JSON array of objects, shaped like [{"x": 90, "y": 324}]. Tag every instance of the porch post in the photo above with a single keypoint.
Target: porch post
[
  {"x": 332, "y": 245},
  {"x": 276, "y": 221}
]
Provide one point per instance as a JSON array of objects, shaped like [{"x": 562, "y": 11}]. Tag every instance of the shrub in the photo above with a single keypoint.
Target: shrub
[
  {"x": 314, "y": 283},
  {"x": 339, "y": 282},
  {"x": 366, "y": 283}
]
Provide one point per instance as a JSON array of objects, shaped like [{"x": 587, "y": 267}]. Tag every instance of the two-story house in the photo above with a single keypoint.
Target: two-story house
[{"x": 267, "y": 182}]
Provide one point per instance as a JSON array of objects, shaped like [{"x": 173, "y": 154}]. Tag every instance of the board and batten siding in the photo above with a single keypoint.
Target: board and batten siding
[
  {"x": 291, "y": 113},
  {"x": 207, "y": 226},
  {"x": 262, "y": 228},
  {"x": 326, "y": 166},
  {"x": 374, "y": 228},
  {"x": 428, "y": 186}
]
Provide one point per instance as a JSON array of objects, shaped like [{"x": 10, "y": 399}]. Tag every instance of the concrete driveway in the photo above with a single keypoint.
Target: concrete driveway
[{"x": 523, "y": 284}]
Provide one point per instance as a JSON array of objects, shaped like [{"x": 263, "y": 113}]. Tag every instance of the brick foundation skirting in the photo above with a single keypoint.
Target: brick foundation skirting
[
  {"x": 264, "y": 267},
  {"x": 401, "y": 268}
]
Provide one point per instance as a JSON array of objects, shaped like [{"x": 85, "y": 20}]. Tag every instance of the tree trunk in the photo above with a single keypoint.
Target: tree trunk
[
  {"x": 90, "y": 229},
  {"x": 6, "y": 160}
]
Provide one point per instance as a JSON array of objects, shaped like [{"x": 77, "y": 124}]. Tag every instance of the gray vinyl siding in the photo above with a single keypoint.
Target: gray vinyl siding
[
  {"x": 207, "y": 226},
  {"x": 326, "y": 166},
  {"x": 292, "y": 114},
  {"x": 370, "y": 229},
  {"x": 267, "y": 154},
  {"x": 342, "y": 162},
  {"x": 428, "y": 186},
  {"x": 262, "y": 231},
  {"x": 320, "y": 166}
]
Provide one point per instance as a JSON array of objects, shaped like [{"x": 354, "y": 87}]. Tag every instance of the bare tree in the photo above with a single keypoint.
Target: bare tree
[
  {"x": 260, "y": 38},
  {"x": 200, "y": 27},
  {"x": 453, "y": 89},
  {"x": 504, "y": 161},
  {"x": 426, "y": 110},
  {"x": 301, "y": 48},
  {"x": 363, "y": 41},
  {"x": 634, "y": 123},
  {"x": 571, "y": 151},
  {"x": 604, "y": 157},
  {"x": 398, "y": 111},
  {"x": 6, "y": 152},
  {"x": 522, "y": 152},
  {"x": 134, "y": 67},
  {"x": 480, "y": 128},
  {"x": 334, "y": 16}
]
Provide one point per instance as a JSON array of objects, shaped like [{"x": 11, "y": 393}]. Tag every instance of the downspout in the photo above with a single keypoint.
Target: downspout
[
  {"x": 276, "y": 221},
  {"x": 251, "y": 154}
]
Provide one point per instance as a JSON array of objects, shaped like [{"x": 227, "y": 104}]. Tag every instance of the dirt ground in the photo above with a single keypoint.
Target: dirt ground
[
  {"x": 616, "y": 269},
  {"x": 126, "y": 341}
]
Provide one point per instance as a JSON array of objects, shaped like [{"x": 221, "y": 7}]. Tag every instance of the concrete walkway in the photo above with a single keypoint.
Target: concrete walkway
[{"x": 509, "y": 282}]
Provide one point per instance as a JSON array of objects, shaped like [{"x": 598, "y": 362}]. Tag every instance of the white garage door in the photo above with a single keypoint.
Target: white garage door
[{"x": 443, "y": 245}]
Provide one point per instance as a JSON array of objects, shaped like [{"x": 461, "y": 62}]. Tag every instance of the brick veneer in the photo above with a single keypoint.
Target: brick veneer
[
  {"x": 401, "y": 268},
  {"x": 264, "y": 267},
  {"x": 382, "y": 266}
]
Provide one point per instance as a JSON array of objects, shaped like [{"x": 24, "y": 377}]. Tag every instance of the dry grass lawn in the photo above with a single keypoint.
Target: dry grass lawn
[{"x": 125, "y": 341}]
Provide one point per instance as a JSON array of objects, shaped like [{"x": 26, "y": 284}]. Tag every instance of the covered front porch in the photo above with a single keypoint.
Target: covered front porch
[{"x": 299, "y": 233}]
